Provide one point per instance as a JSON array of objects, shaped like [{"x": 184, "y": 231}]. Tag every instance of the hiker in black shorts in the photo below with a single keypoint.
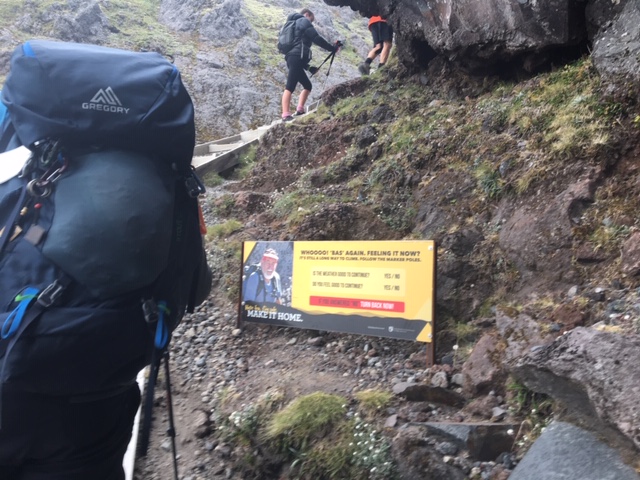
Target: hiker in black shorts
[
  {"x": 382, "y": 34},
  {"x": 298, "y": 60}
]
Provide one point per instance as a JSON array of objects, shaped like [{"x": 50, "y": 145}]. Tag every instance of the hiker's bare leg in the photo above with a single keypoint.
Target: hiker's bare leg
[
  {"x": 303, "y": 99},
  {"x": 375, "y": 51},
  {"x": 365, "y": 66},
  {"x": 286, "y": 102},
  {"x": 386, "y": 49}
]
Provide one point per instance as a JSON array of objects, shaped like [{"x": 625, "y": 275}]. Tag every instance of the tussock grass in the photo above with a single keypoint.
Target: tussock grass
[
  {"x": 212, "y": 179},
  {"x": 304, "y": 419}
]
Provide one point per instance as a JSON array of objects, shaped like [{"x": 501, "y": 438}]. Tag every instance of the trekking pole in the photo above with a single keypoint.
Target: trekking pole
[
  {"x": 333, "y": 55},
  {"x": 145, "y": 434},
  {"x": 171, "y": 431},
  {"x": 330, "y": 56},
  {"x": 324, "y": 82}
]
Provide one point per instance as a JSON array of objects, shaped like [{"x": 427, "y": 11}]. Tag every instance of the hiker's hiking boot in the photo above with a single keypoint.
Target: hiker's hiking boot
[
  {"x": 299, "y": 112},
  {"x": 288, "y": 118},
  {"x": 364, "y": 68}
]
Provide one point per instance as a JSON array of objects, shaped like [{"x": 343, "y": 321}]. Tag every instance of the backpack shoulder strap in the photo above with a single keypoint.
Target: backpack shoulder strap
[
  {"x": 276, "y": 285},
  {"x": 260, "y": 288}
]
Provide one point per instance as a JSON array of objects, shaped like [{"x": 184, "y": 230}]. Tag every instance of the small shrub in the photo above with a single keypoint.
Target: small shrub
[
  {"x": 489, "y": 180},
  {"x": 243, "y": 425},
  {"x": 536, "y": 408},
  {"x": 223, "y": 230},
  {"x": 371, "y": 453},
  {"x": 246, "y": 163},
  {"x": 212, "y": 179},
  {"x": 609, "y": 237},
  {"x": 465, "y": 332},
  {"x": 354, "y": 449},
  {"x": 224, "y": 205}
]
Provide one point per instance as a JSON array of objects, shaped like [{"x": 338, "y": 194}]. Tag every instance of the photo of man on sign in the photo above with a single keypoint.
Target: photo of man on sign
[{"x": 261, "y": 282}]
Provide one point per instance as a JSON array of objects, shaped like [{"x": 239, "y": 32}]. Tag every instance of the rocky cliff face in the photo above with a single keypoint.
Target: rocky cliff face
[{"x": 497, "y": 35}]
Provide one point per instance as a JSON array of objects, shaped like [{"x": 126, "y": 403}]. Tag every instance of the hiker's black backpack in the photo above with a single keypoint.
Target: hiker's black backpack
[
  {"x": 101, "y": 249},
  {"x": 287, "y": 37}
]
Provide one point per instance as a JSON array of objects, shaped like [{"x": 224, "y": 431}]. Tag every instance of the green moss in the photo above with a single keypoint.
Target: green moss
[
  {"x": 140, "y": 29},
  {"x": 304, "y": 419},
  {"x": 551, "y": 118},
  {"x": 351, "y": 107},
  {"x": 373, "y": 401},
  {"x": 386, "y": 174},
  {"x": 321, "y": 442},
  {"x": 136, "y": 21},
  {"x": 339, "y": 171}
]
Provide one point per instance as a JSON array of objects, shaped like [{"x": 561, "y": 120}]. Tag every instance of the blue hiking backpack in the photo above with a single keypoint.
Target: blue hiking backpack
[
  {"x": 89, "y": 95},
  {"x": 101, "y": 251}
]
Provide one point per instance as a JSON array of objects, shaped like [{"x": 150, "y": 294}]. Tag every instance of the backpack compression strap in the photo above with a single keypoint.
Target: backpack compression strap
[
  {"x": 31, "y": 304},
  {"x": 7, "y": 230}
]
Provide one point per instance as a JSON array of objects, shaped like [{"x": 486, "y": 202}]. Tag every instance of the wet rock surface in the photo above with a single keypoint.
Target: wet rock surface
[
  {"x": 595, "y": 375},
  {"x": 566, "y": 451}
]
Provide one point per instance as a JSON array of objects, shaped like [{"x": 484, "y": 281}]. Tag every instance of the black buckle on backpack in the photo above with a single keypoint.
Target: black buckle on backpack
[
  {"x": 150, "y": 311},
  {"x": 194, "y": 185},
  {"x": 51, "y": 294}
]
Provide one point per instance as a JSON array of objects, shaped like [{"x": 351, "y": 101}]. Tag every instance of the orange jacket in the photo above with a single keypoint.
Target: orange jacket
[{"x": 373, "y": 20}]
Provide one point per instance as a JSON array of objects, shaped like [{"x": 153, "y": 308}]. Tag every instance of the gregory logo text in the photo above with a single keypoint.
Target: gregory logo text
[{"x": 105, "y": 100}]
